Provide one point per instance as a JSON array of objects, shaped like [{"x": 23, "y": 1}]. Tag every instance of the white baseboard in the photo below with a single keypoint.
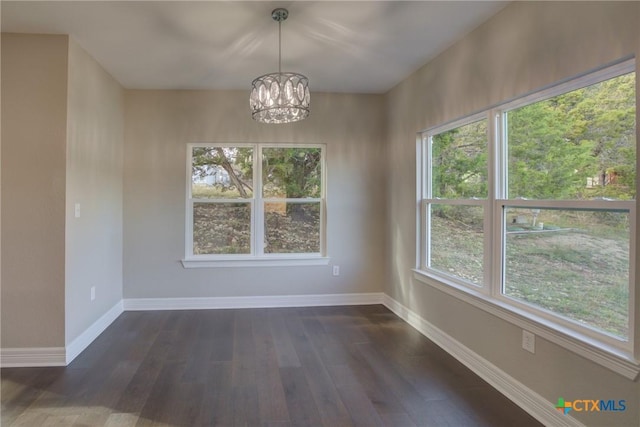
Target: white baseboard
[
  {"x": 138, "y": 304},
  {"x": 58, "y": 356},
  {"x": 32, "y": 357},
  {"x": 81, "y": 342},
  {"x": 530, "y": 401}
]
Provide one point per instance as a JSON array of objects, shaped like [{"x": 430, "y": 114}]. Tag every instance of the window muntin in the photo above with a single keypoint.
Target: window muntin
[
  {"x": 541, "y": 160},
  {"x": 240, "y": 210}
]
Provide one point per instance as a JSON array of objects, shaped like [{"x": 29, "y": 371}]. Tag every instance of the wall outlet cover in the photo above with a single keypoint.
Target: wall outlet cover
[{"x": 528, "y": 341}]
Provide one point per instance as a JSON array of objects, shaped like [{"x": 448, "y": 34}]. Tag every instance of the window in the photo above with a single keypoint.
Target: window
[
  {"x": 255, "y": 201},
  {"x": 457, "y": 194},
  {"x": 531, "y": 206}
]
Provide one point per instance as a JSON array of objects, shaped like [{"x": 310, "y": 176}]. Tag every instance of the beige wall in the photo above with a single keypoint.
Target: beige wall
[
  {"x": 526, "y": 46},
  {"x": 95, "y": 143},
  {"x": 63, "y": 137},
  {"x": 34, "y": 109},
  {"x": 159, "y": 124}
]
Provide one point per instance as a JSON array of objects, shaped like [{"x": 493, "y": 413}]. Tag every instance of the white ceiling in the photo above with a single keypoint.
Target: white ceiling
[{"x": 357, "y": 46}]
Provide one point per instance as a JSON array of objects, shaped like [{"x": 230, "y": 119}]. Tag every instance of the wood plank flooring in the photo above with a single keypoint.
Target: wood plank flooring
[{"x": 321, "y": 366}]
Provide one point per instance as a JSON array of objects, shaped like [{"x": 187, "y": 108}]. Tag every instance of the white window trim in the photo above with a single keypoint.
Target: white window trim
[
  {"x": 288, "y": 261},
  {"x": 621, "y": 356},
  {"x": 257, "y": 257}
]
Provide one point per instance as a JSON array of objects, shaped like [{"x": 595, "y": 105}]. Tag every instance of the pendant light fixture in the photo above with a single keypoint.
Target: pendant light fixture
[{"x": 280, "y": 97}]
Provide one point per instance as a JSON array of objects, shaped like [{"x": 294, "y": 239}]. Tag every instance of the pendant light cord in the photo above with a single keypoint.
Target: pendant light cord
[{"x": 279, "y": 47}]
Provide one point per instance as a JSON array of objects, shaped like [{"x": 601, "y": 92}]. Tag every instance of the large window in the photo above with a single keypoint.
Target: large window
[
  {"x": 532, "y": 204},
  {"x": 248, "y": 201}
]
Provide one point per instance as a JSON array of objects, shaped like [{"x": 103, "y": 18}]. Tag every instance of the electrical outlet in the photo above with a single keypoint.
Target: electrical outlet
[
  {"x": 93, "y": 293},
  {"x": 336, "y": 270},
  {"x": 77, "y": 210},
  {"x": 528, "y": 341}
]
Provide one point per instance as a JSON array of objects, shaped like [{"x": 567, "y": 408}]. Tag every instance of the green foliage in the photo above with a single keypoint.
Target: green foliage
[
  {"x": 286, "y": 172},
  {"x": 235, "y": 162},
  {"x": 556, "y": 145},
  {"x": 543, "y": 162},
  {"x": 612, "y": 127},
  {"x": 459, "y": 166},
  {"x": 292, "y": 172}
]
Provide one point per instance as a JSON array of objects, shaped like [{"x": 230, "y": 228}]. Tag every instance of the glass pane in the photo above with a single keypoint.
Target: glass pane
[
  {"x": 221, "y": 228},
  {"x": 292, "y": 227},
  {"x": 580, "y": 145},
  {"x": 573, "y": 263},
  {"x": 457, "y": 241},
  {"x": 292, "y": 172},
  {"x": 459, "y": 162},
  {"x": 222, "y": 172}
]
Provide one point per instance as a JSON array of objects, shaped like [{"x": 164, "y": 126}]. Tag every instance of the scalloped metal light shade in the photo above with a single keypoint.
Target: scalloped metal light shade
[{"x": 280, "y": 98}]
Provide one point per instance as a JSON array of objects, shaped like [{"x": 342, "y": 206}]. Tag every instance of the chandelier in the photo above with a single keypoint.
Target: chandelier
[{"x": 280, "y": 97}]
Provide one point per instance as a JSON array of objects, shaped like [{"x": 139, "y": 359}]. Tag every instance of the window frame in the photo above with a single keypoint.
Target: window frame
[
  {"x": 617, "y": 354},
  {"x": 425, "y": 153},
  {"x": 256, "y": 257}
]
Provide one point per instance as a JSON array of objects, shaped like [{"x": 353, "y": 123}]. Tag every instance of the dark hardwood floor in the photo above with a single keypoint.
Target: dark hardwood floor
[{"x": 322, "y": 366}]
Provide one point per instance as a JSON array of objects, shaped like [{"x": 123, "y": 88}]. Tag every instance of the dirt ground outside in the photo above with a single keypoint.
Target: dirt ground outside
[{"x": 571, "y": 272}]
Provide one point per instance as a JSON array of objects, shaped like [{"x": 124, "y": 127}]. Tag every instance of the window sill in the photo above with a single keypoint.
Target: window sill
[
  {"x": 605, "y": 355},
  {"x": 289, "y": 261}
]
